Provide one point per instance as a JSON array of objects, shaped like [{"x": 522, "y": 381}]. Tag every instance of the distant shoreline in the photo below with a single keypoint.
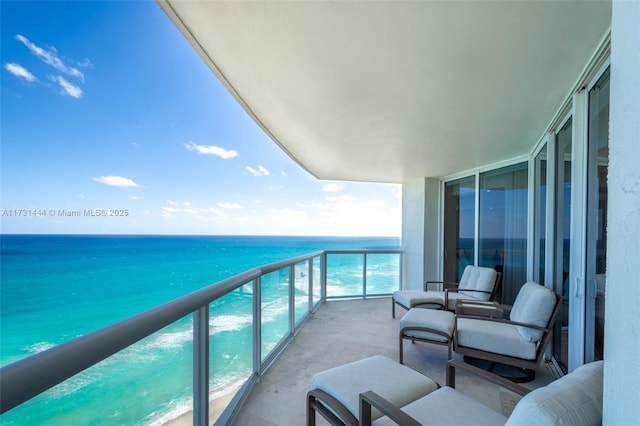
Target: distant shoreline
[{"x": 217, "y": 404}]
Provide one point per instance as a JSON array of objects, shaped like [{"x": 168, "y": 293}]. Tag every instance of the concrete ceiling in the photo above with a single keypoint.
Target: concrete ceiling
[{"x": 397, "y": 91}]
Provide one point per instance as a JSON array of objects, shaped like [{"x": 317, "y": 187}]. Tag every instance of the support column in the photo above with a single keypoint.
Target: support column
[{"x": 420, "y": 232}]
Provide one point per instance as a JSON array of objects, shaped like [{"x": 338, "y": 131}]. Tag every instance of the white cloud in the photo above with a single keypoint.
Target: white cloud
[
  {"x": 135, "y": 197},
  {"x": 215, "y": 211},
  {"x": 172, "y": 203},
  {"x": 229, "y": 206},
  {"x": 118, "y": 181},
  {"x": 20, "y": 71},
  {"x": 291, "y": 216},
  {"x": 260, "y": 171},
  {"x": 346, "y": 198},
  {"x": 51, "y": 57},
  {"x": 212, "y": 150},
  {"x": 333, "y": 187},
  {"x": 68, "y": 88}
]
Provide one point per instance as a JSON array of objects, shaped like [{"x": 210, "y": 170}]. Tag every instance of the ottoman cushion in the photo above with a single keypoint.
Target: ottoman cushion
[
  {"x": 395, "y": 382},
  {"x": 443, "y": 321},
  {"x": 410, "y": 298}
]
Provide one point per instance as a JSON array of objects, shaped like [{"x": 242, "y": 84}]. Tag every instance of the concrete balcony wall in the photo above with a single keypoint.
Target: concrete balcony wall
[{"x": 420, "y": 232}]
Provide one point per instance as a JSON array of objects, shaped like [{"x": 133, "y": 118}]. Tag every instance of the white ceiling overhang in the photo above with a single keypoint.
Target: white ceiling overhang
[{"x": 397, "y": 91}]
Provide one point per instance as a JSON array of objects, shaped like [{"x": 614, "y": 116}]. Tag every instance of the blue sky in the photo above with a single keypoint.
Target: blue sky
[{"x": 106, "y": 107}]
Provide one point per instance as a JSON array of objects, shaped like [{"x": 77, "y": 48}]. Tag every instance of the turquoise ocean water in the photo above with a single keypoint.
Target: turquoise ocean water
[{"x": 56, "y": 288}]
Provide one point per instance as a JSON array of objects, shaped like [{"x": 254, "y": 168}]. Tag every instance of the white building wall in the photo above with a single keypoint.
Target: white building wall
[
  {"x": 622, "y": 326},
  {"x": 420, "y": 238}
]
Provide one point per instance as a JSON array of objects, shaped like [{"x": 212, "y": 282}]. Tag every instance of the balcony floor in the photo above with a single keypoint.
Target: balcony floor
[{"x": 345, "y": 331}]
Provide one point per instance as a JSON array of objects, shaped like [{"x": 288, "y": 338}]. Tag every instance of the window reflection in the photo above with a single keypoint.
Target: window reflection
[
  {"x": 503, "y": 226},
  {"x": 459, "y": 227}
]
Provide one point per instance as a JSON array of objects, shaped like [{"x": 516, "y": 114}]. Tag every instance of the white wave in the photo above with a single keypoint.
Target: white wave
[
  {"x": 222, "y": 323},
  {"x": 170, "y": 340},
  {"x": 38, "y": 347},
  {"x": 179, "y": 408},
  {"x": 275, "y": 311},
  {"x": 175, "y": 410}
]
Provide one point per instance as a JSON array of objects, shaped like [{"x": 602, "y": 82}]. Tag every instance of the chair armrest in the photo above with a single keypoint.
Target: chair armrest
[
  {"x": 426, "y": 284},
  {"x": 329, "y": 407},
  {"x": 450, "y": 285},
  {"x": 458, "y": 290},
  {"x": 500, "y": 381},
  {"x": 370, "y": 398}
]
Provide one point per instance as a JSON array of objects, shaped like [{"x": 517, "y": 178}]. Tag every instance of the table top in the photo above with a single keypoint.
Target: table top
[{"x": 479, "y": 308}]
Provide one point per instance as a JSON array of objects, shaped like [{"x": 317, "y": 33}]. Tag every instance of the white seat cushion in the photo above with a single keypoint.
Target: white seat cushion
[
  {"x": 575, "y": 399},
  {"x": 534, "y": 305},
  {"x": 496, "y": 337},
  {"x": 443, "y": 321},
  {"x": 395, "y": 382},
  {"x": 447, "y": 406},
  {"x": 411, "y": 298}
]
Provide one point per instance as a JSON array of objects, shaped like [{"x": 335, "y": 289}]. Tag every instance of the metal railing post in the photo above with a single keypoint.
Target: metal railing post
[
  {"x": 310, "y": 267},
  {"x": 257, "y": 325},
  {"x": 201, "y": 366},
  {"x": 364, "y": 275},
  {"x": 323, "y": 275},
  {"x": 292, "y": 298}
]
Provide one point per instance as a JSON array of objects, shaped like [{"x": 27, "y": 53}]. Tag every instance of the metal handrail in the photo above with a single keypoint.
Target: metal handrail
[{"x": 27, "y": 378}]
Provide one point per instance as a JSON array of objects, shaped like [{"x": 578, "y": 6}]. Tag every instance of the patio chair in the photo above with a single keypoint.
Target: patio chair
[
  {"x": 476, "y": 283},
  {"x": 572, "y": 400},
  {"x": 334, "y": 392},
  {"x": 518, "y": 342}
]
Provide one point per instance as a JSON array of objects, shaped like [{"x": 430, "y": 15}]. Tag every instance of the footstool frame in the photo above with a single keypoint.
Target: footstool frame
[{"x": 427, "y": 328}]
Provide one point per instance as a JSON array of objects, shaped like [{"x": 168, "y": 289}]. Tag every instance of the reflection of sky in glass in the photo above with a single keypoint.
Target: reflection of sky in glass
[
  {"x": 467, "y": 212},
  {"x": 495, "y": 217}
]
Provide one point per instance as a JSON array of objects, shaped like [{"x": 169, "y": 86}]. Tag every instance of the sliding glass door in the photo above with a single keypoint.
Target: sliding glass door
[
  {"x": 597, "y": 169},
  {"x": 540, "y": 215},
  {"x": 459, "y": 227},
  {"x": 563, "y": 241},
  {"x": 502, "y": 242}
]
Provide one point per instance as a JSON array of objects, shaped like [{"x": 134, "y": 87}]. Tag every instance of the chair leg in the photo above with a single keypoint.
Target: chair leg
[
  {"x": 401, "y": 357},
  {"x": 393, "y": 308},
  {"x": 451, "y": 375},
  {"x": 311, "y": 412}
]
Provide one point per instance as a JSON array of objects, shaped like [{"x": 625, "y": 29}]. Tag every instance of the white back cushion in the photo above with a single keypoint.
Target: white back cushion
[
  {"x": 477, "y": 278},
  {"x": 575, "y": 399},
  {"x": 534, "y": 305}
]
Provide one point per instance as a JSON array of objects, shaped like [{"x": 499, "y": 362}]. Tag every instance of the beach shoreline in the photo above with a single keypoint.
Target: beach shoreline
[{"x": 219, "y": 400}]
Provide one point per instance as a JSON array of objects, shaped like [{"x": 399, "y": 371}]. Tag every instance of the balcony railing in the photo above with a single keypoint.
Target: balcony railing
[{"x": 259, "y": 310}]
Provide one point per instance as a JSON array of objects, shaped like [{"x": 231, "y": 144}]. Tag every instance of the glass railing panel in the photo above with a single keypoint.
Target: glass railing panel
[
  {"x": 153, "y": 378},
  {"x": 230, "y": 347},
  {"x": 275, "y": 309},
  {"x": 301, "y": 290},
  {"x": 317, "y": 279},
  {"x": 345, "y": 275},
  {"x": 383, "y": 273}
]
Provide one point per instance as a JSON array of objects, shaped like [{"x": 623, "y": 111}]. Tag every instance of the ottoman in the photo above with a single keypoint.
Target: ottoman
[
  {"x": 427, "y": 325},
  {"x": 335, "y": 392}
]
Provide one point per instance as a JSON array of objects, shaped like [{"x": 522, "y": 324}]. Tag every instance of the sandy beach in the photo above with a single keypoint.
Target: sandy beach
[{"x": 216, "y": 407}]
